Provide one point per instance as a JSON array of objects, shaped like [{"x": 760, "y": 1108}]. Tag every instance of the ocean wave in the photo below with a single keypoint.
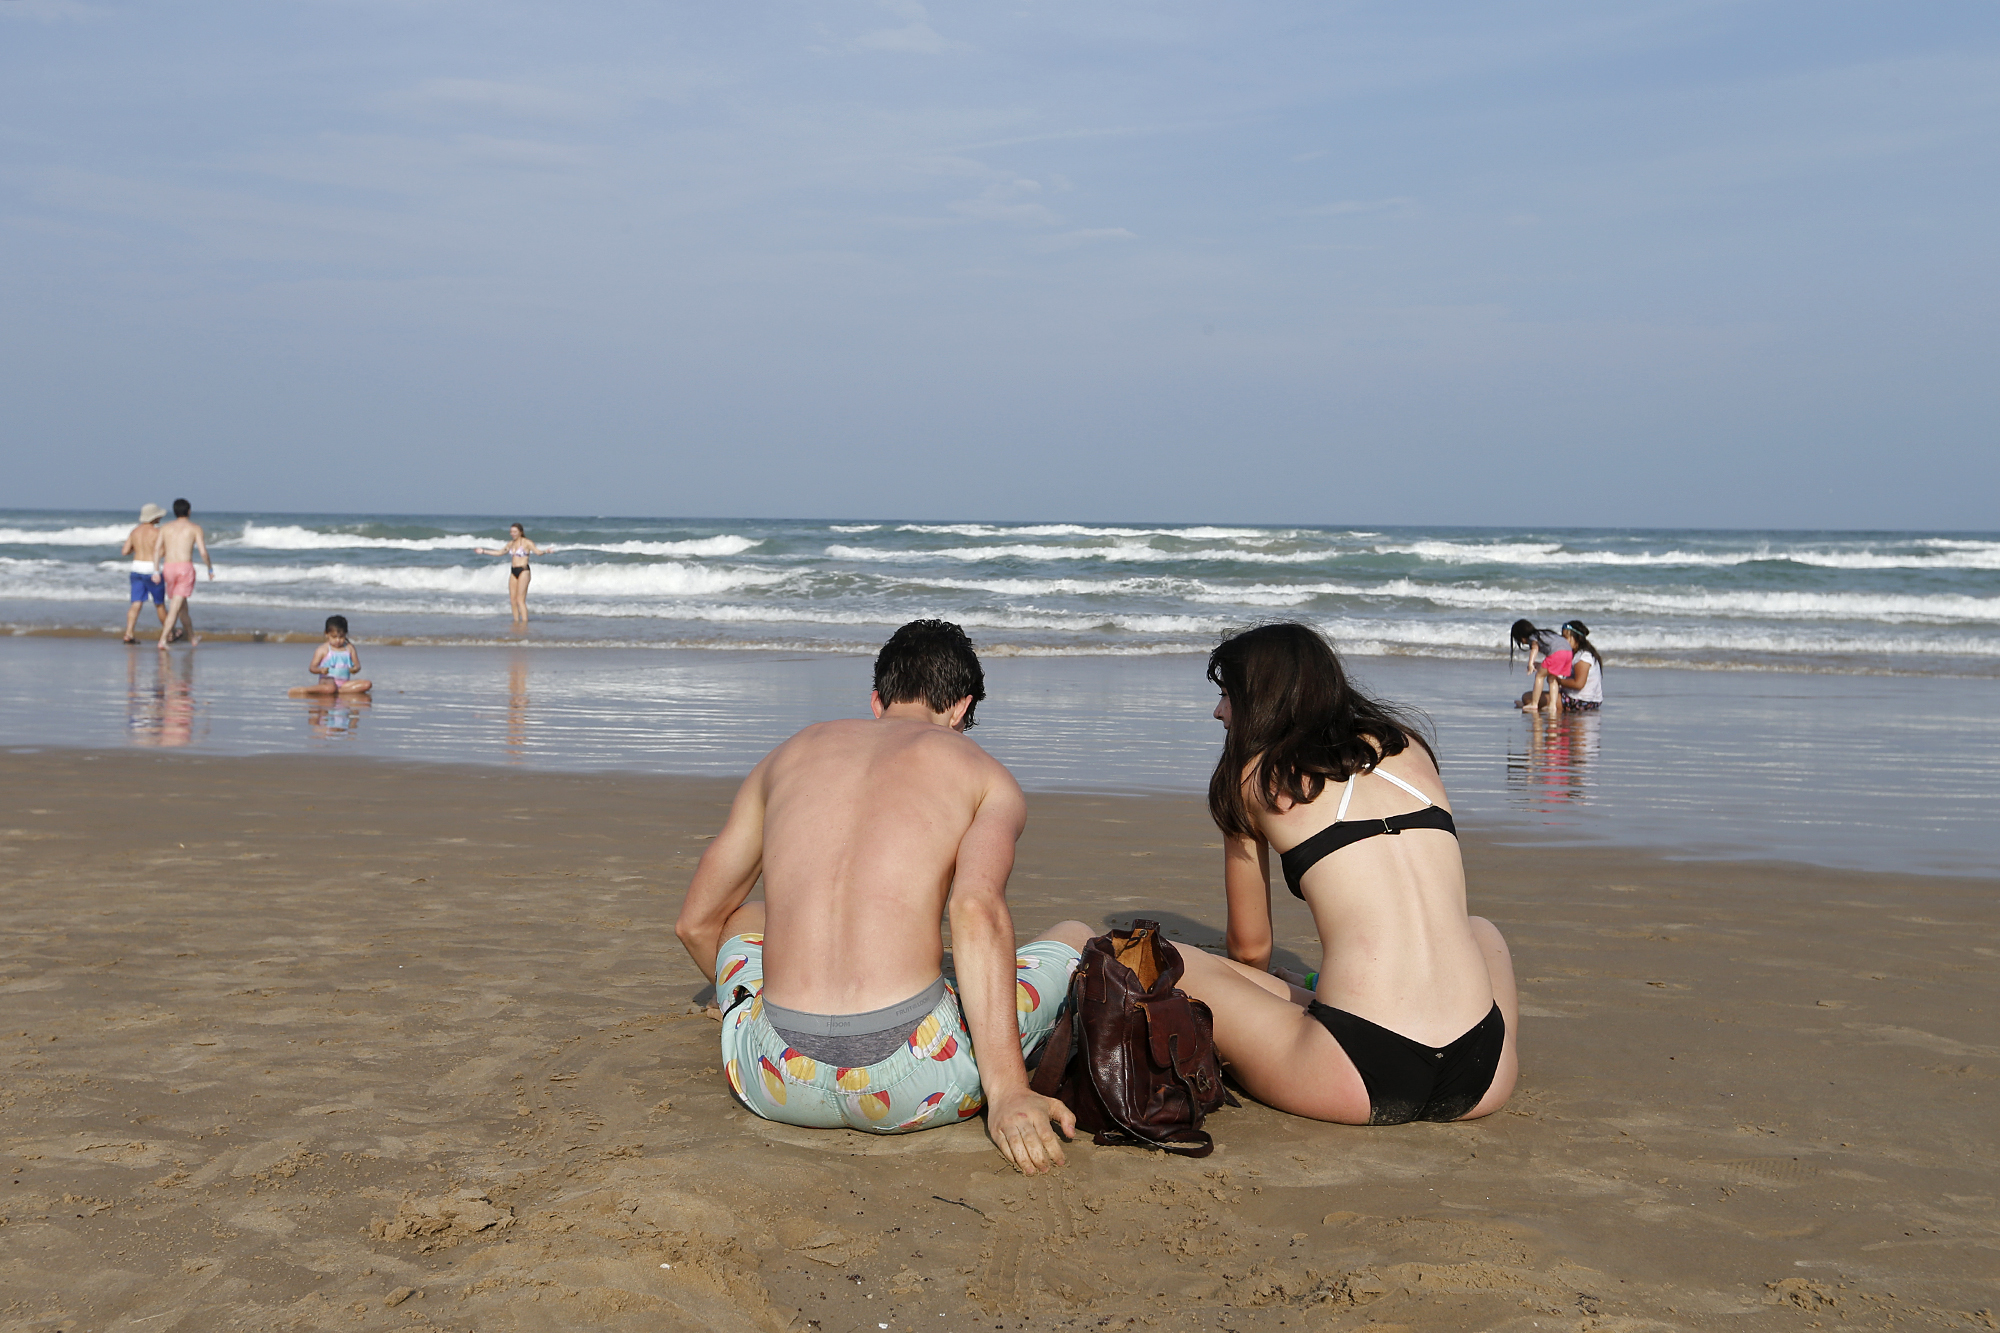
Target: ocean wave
[
  {"x": 107, "y": 534},
  {"x": 291, "y": 537},
  {"x": 1258, "y": 536},
  {"x": 853, "y": 527},
  {"x": 1130, "y": 552},
  {"x": 1894, "y": 607},
  {"x": 1962, "y": 555},
  {"x": 727, "y": 544},
  {"x": 56, "y": 579}
]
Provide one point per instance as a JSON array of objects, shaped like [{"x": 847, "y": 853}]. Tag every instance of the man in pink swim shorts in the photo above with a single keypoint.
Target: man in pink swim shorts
[{"x": 179, "y": 540}]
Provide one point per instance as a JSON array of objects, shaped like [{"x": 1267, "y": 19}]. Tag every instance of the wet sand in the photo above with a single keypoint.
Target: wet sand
[{"x": 326, "y": 1043}]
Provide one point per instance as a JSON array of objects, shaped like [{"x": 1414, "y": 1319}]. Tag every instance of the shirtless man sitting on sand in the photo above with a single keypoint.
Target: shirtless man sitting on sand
[
  {"x": 179, "y": 540},
  {"x": 835, "y": 1010}
]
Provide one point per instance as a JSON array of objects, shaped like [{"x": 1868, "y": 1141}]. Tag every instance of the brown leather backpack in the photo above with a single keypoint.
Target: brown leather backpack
[{"x": 1132, "y": 1056}]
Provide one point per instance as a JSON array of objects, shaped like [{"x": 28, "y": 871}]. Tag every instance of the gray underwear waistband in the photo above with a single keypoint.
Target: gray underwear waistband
[{"x": 851, "y": 1041}]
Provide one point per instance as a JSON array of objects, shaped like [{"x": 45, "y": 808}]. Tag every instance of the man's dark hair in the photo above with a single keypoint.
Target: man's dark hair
[
  {"x": 181, "y": 508},
  {"x": 337, "y": 622},
  {"x": 931, "y": 660}
]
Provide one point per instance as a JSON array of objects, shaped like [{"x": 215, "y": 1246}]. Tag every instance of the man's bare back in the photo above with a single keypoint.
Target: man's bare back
[
  {"x": 142, "y": 542},
  {"x": 863, "y": 822},
  {"x": 866, "y": 834},
  {"x": 180, "y": 539}
]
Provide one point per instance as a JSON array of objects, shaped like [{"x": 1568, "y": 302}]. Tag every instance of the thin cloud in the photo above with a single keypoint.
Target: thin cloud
[
  {"x": 916, "y": 37},
  {"x": 1070, "y": 240},
  {"x": 1348, "y": 207},
  {"x": 487, "y": 96},
  {"x": 50, "y": 11}
]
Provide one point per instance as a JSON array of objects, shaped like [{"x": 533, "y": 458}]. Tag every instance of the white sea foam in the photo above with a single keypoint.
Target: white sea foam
[
  {"x": 111, "y": 535},
  {"x": 1259, "y": 536},
  {"x": 291, "y": 537},
  {"x": 48, "y": 578},
  {"x": 727, "y": 544},
  {"x": 853, "y": 527},
  {"x": 1963, "y": 555},
  {"x": 1130, "y": 552}
]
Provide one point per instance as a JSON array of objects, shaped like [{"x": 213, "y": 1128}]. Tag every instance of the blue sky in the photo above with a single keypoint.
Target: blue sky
[{"x": 1705, "y": 264}]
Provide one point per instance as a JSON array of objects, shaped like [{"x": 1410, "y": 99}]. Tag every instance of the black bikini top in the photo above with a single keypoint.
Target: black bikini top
[{"x": 1338, "y": 835}]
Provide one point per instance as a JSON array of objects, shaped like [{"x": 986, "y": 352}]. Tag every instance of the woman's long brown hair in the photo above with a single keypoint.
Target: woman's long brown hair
[{"x": 1298, "y": 718}]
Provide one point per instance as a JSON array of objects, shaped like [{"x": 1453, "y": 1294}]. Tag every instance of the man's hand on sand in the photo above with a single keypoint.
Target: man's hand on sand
[{"x": 1018, "y": 1122}]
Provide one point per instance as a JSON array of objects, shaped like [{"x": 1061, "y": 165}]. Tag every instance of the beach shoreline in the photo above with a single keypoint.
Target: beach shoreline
[{"x": 324, "y": 1041}]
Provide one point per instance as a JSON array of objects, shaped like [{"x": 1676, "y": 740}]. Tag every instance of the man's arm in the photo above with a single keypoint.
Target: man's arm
[
  {"x": 201, "y": 544},
  {"x": 128, "y": 548},
  {"x": 727, "y": 873},
  {"x": 982, "y": 946}
]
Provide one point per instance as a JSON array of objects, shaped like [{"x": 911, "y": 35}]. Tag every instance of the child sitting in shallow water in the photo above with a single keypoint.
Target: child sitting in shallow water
[
  {"x": 335, "y": 663},
  {"x": 1548, "y": 655}
]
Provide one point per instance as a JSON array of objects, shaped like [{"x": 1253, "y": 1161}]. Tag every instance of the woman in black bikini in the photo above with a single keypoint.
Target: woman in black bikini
[
  {"x": 519, "y": 548},
  {"x": 1412, "y": 1014}
]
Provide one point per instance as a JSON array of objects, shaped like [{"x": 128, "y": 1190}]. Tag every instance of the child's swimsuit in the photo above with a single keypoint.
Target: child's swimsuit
[
  {"x": 1406, "y": 1080},
  {"x": 905, "y": 1067},
  {"x": 338, "y": 665}
]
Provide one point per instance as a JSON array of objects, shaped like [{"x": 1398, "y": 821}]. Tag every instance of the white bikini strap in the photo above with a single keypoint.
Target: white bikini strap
[
  {"x": 1400, "y": 783},
  {"x": 1346, "y": 795}
]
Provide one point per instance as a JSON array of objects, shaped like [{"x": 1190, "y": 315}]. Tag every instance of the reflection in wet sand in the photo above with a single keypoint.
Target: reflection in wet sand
[
  {"x": 160, "y": 705},
  {"x": 1553, "y": 772},
  {"x": 517, "y": 707},
  {"x": 337, "y": 719}
]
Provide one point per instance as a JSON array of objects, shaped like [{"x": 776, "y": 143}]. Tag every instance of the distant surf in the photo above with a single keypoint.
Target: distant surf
[{"x": 1892, "y": 602}]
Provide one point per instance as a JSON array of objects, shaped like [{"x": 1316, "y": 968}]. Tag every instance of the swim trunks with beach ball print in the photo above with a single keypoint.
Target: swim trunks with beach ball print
[{"x": 930, "y": 1079}]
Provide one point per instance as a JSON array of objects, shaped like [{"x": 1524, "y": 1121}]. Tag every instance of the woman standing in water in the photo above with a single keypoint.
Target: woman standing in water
[
  {"x": 518, "y": 549},
  {"x": 1412, "y": 1014}
]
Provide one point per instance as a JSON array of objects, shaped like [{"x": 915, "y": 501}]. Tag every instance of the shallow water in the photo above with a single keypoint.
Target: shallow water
[{"x": 1826, "y": 769}]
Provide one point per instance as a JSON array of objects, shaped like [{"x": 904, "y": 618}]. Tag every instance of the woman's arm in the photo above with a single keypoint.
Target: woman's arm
[
  {"x": 1578, "y": 674},
  {"x": 1246, "y": 884}
]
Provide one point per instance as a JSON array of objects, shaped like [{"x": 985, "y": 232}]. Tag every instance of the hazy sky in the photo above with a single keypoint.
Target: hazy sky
[{"x": 1713, "y": 264}]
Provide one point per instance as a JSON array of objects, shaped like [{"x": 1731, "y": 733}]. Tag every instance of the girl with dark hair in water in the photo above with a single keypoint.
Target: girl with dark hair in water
[
  {"x": 1546, "y": 648},
  {"x": 1581, "y": 686},
  {"x": 1412, "y": 1014}
]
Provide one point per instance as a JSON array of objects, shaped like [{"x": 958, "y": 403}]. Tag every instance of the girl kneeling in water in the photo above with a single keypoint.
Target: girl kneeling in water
[{"x": 1413, "y": 1014}]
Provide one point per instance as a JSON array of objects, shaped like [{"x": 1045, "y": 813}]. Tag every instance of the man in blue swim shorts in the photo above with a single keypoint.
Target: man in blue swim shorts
[
  {"x": 142, "y": 545},
  {"x": 867, "y": 834}
]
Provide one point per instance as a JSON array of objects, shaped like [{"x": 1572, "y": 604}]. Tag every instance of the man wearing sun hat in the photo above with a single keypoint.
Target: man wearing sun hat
[{"x": 142, "y": 544}]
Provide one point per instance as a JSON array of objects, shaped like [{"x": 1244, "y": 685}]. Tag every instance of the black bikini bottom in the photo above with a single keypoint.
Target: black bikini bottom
[
  {"x": 1407, "y": 1080},
  {"x": 518, "y": 571}
]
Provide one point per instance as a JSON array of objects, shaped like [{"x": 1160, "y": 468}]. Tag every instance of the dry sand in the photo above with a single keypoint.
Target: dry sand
[{"x": 312, "y": 1043}]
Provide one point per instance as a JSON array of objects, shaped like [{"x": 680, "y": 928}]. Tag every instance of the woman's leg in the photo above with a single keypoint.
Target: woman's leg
[
  {"x": 1280, "y": 1055},
  {"x": 1500, "y": 967},
  {"x": 521, "y": 595},
  {"x": 1073, "y": 933}
]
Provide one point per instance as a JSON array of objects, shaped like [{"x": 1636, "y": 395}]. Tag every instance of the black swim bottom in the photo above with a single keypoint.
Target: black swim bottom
[
  {"x": 518, "y": 571},
  {"x": 1408, "y": 1080}
]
